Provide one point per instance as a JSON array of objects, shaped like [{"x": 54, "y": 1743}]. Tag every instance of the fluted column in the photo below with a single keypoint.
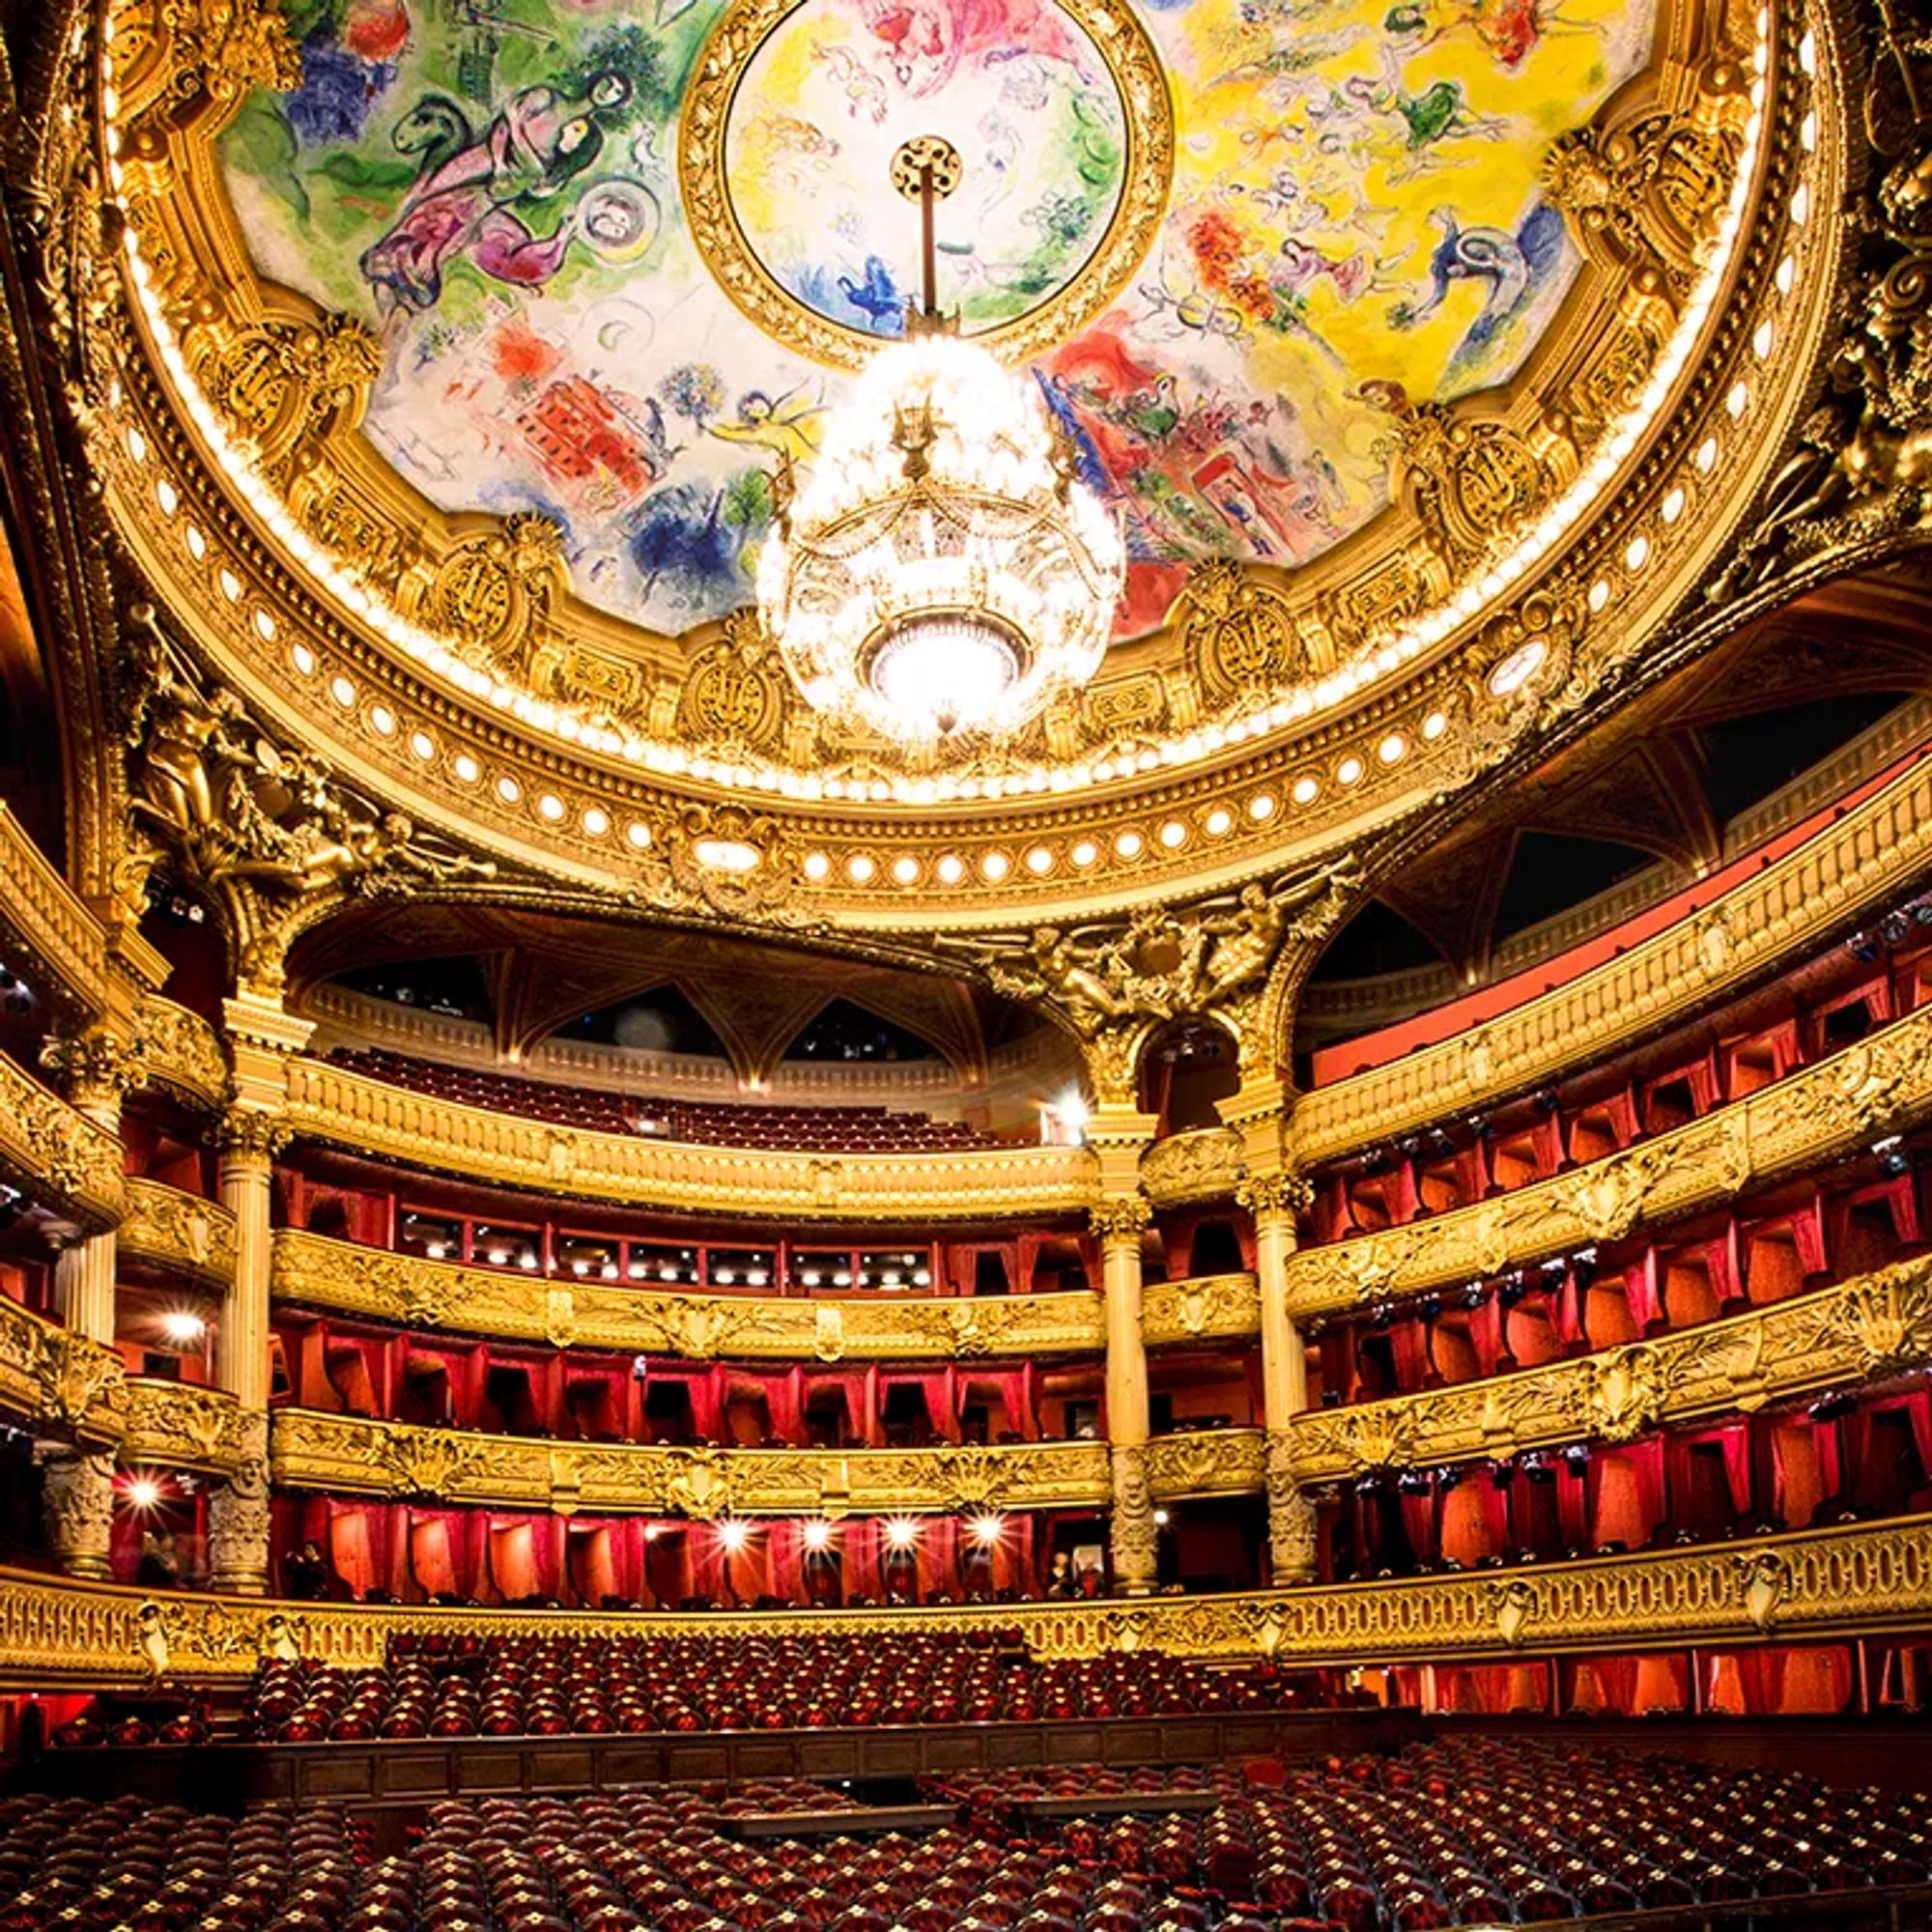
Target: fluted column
[
  {"x": 246, "y": 1144},
  {"x": 95, "y": 1069},
  {"x": 1274, "y": 1200},
  {"x": 1118, "y": 1224}
]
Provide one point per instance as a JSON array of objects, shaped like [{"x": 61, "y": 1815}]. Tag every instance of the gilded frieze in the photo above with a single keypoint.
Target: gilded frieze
[
  {"x": 330, "y": 1103},
  {"x": 57, "y": 1384},
  {"x": 322, "y": 1273},
  {"x": 47, "y": 929},
  {"x": 182, "y": 1053},
  {"x": 1203, "y": 1308},
  {"x": 351, "y": 1455},
  {"x": 1203, "y": 1164},
  {"x": 1208, "y": 1463},
  {"x": 1852, "y": 1580},
  {"x": 1808, "y": 1120},
  {"x": 1871, "y": 856},
  {"x": 55, "y": 1154},
  {"x": 181, "y": 1426},
  {"x": 1877, "y": 1325},
  {"x": 178, "y": 1234}
]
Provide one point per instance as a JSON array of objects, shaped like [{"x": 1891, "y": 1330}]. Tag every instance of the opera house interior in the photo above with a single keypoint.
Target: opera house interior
[{"x": 990, "y": 993}]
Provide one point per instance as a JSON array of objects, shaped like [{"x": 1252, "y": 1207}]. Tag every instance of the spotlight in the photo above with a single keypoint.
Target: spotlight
[
  {"x": 143, "y": 1493},
  {"x": 1161, "y": 1519},
  {"x": 901, "y": 1533},
  {"x": 182, "y": 1327},
  {"x": 818, "y": 1534},
  {"x": 1892, "y": 1155},
  {"x": 986, "y": 1531},
  {"x": 733, "y": 1533}
]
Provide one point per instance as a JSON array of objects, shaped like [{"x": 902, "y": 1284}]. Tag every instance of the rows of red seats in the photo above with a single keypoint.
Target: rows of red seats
[
  {"x": 706, "y": 1123},
  {"x": 1466, "y": 1833},
  {"x": 537, "y": 1687},
  {"x": 1484, "y": 1831}
]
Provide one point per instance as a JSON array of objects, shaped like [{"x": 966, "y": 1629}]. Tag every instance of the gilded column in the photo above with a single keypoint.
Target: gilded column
[
  {"x": 261, "y": 1040},
  {"x": 78, "y": 1501},
  {"x": 1274, "y": 1200},
  {"x": 246, "y": 1142},
  {"x": 1118, "y": 1224},
  {"x": 95, "y": 1069}
]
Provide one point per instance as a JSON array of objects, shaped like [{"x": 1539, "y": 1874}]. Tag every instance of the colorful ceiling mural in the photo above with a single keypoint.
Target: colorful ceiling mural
[{"x": 494, "y": 185}]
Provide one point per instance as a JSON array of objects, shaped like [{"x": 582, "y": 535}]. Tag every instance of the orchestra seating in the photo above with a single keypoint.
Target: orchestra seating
[
  {"x": 706, "y": 1123},
  {"x": 1480, "y": 1831}
]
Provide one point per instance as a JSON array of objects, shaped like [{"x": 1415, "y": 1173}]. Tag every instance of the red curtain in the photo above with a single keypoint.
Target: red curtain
[
  {"x": 938, "y": 1558},
  {"x": 785, "y": 1549}
]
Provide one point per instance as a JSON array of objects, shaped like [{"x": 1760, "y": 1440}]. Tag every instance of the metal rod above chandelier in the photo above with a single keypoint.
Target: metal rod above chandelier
[{"x": 942, "y": 570}]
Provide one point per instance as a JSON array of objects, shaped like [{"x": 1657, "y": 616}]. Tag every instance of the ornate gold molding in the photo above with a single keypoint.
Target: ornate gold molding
[
  {"x": 59, "y": 1384},
  {"x": 1204, "y": 1308},
  {"x": 1201, "y": 1165},
  {"x": 330, "y": 1104},
  {"x": 176, "y": 1234},
  {"x": 1835, "y": 1584},
  {"x": 180, "y": 1426},
  {"x": 184, "y": 1053},
  {"x": 1208, "y": 1463},
  {"x": 49, "y": 926},
  {"x": 54, "y": 1153},
  {"x": 339, "y": 1275},
  {"x": 1866, "y": 1329},
  {"x": 1807, "y": 1121},
  {"x": 1876, "y": 852},
  {"x": 351, "y": 1456}
]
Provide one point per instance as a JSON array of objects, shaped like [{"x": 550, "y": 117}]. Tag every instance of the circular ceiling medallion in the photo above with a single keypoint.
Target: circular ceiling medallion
[{"x": 798, "y": 106}]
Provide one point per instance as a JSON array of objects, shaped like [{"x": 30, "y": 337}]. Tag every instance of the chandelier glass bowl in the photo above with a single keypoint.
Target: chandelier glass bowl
[{"x": 941, "y": 570}]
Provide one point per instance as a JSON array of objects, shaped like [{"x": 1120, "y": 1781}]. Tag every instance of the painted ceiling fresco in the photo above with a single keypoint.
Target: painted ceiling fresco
[{"x": 493, "y": 184}]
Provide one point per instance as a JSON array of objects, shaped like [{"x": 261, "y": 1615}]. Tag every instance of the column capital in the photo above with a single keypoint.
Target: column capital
[
  {"x": 95, "y": 1068},
  {"x": 1124, "y": 1217},
  {"x": 254, "y": 1135},
  {"x": 1275, "y": 1194}
]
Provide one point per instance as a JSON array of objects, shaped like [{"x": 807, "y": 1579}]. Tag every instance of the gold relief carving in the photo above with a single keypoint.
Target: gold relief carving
[
  {"x": 95, "y": 1068},
  {"x": 1207, "y": 1306},
  {"x": 1832, "y": 1582},
  {"x": 231, "y": 46},
  {"x": 1645, "y": 200},
  {"x": 319, "y": 1272},
  {"x": 246, "y": 1133},
  {"x": 734, "y": 692},
  {"x": 1123, "y": 706},
  {"x": 1866, "y": 1328},
  {"x": 178, "y": 1234},
  {"x": 1275, "y": 1194},
  {"x": 1208, "y": 1463},
  {"x": 178, "y": 1425},
  {"x": 1807, "y": 1121},
  {"x": 1123, "y": 1218},
  {"x": 57, "y": 1381},
  {"x": 77, "y": 1508},
  {"x": 347, "y": 525},
  {"x": 493, "y": 589},
  {"x": 1239, "y": 636},
  {"x": 1292, "y": 1529},
  {"x": 278, "y": 382},
  {"x": 267, "y": 833},
  {"x": 1132, "y": 1531},
  {"x": 1201, "y": 1165},
  {"x": 1513, "y": 1604},
  {"x": 1765, "y": 1579},
  {"x": 181, "y": 1052},
  {"x": 1472, "y": 480},
  {"x": 53, "y": 1153},
  {"x": 1164, "y": 964},
  {"x": 358, "y": 1455},
  {"x": 46, "y": 924}
]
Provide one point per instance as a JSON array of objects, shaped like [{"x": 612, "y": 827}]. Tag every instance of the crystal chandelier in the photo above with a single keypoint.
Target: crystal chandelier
[{"x": 941, "y": 570}]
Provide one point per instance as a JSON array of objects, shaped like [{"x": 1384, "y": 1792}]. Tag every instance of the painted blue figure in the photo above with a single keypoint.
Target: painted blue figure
[
  {"x": 1514, "y": 266},
  {"x": 876, "y": 294}
]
